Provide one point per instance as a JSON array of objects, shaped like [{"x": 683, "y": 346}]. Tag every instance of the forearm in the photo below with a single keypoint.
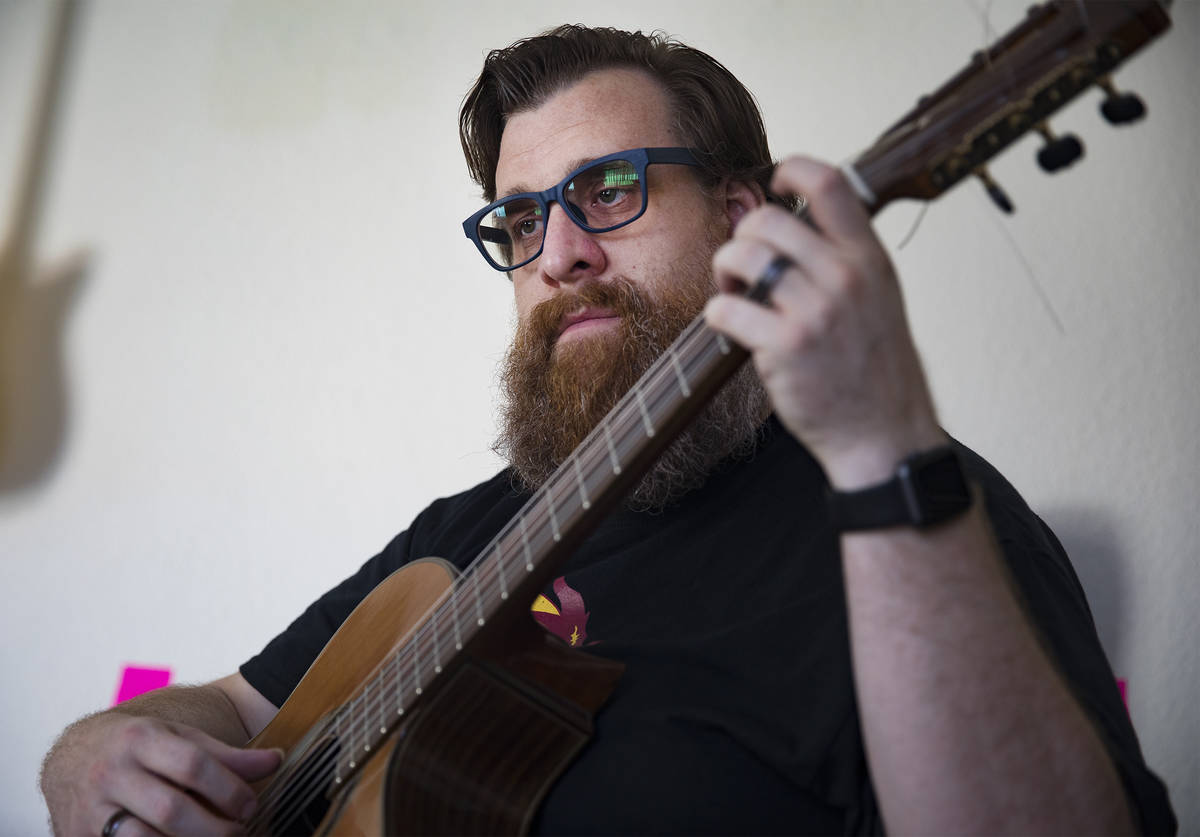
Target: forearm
[
  {"x": 968, "y": 726},
  {"x": 204, "y": 707}
]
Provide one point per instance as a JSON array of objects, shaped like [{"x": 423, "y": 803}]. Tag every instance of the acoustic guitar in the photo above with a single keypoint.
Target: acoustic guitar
[{"x": 398, "y": 725}]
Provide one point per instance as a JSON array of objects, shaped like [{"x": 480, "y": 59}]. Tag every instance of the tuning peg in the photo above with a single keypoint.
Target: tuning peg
[
  {"x": 994, "y": 191},
  {"x": 1119, "y": 108},
  {"x": 1058, "y": 152}
]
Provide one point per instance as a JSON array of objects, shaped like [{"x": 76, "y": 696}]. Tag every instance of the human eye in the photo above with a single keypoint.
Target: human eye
[{"x": 523, "y": 222}]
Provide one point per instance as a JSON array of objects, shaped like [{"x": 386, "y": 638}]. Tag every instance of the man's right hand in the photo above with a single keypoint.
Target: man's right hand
[{"x": 172, "y": 778}]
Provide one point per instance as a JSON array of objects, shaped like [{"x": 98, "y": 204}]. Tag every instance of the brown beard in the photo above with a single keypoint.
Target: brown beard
[{"x": 555, "y": 395}]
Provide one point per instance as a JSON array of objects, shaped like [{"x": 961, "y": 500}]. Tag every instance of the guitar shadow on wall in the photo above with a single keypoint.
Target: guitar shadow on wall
[
  {"x": 1094, "y": 547},
  {"x": 34, "y": 394}
]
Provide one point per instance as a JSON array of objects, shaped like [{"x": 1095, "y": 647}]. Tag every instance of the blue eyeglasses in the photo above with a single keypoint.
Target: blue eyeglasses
[{"x": 602, "y": 196}]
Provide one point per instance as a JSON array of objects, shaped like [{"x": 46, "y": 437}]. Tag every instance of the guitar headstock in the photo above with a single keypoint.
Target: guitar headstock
[{"x": 1061, "y": 49}]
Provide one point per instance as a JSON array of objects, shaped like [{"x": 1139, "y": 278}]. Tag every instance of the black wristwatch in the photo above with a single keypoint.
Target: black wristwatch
[{"x": 928, "y": 488}]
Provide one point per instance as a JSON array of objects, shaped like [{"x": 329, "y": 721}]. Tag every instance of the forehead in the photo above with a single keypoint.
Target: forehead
[{"x": 605, "y": 111}]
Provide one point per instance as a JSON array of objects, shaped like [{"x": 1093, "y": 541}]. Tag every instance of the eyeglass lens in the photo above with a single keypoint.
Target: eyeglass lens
[{"x": 599, "y": 198}]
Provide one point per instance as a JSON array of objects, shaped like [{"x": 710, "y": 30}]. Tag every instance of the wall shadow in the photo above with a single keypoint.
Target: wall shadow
[{"x": 34, "y": 393}]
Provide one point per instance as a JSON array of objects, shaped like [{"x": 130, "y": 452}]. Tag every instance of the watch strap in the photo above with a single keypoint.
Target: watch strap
[{"x": 928, "y": 488}]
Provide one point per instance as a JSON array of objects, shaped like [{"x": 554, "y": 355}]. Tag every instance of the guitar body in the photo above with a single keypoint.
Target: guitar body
[{"x": 476, "y": 754}]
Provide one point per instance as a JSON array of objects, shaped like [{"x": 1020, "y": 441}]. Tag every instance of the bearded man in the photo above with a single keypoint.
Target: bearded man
[{"x": 794, "y": 663}]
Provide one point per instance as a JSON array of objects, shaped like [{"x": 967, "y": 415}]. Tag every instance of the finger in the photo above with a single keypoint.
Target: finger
[
  {"x": 749, "y": 324},
  {"x": 131, "y": 826},
  {"x": 833, "y": 204},
  {"x": 250, "y": 764},
  {"x": 740, "y": 262},
  {"x": 190, "y": 766},
  {"x": 818, "y": 259},
  {"x": 166, "y": 808}
]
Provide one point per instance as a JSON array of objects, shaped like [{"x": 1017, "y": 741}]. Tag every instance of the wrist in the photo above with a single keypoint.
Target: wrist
[{"x": 868, "y": 462}]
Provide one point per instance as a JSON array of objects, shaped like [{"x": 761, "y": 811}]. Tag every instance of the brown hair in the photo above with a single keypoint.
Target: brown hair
[{"x": 713, "y": 112}]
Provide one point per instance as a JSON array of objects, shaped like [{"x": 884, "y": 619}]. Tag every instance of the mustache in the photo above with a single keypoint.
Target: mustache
[{"x": 619, "y": 296}]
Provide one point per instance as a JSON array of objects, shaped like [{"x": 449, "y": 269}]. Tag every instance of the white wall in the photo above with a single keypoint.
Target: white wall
[{"x": 277, "y": 355}]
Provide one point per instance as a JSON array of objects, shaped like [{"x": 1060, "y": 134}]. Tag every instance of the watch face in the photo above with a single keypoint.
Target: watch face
[{"x": 935, "y": 486}]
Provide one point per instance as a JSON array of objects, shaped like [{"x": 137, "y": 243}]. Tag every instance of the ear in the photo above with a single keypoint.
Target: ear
[{"x": 740, "y": 196}]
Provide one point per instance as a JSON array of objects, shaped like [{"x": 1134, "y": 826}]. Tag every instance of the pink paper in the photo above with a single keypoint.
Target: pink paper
[{"x": 137, "y": 680}]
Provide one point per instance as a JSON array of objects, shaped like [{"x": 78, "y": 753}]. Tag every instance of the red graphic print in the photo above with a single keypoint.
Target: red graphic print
[{"x": 567, "y": 620}]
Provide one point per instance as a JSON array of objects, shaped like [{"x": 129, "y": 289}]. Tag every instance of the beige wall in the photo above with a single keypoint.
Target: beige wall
[{"x": 283, "y": 347}]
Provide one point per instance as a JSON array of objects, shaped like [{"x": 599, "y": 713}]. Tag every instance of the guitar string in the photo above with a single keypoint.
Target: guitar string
[{"x": 694, "y": 345}]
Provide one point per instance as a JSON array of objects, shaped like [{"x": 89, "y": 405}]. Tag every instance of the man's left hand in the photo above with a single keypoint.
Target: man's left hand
[{"x": 832, "y": 345}]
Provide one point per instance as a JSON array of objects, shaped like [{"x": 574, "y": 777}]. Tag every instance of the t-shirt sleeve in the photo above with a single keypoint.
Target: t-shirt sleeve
[
  {"x": 1055, "y": 601},
  {"x": 276, "y": 670}
]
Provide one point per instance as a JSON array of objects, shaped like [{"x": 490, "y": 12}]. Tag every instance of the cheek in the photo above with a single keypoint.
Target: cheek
[{"x": 527, "y": 293}]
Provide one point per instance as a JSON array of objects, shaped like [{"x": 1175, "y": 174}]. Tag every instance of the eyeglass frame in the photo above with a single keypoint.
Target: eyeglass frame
[{"x": 639, "y": 157}]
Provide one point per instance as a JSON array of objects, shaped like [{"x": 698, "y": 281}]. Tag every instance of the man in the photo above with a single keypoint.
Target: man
[{"x": 791, "y": 666}]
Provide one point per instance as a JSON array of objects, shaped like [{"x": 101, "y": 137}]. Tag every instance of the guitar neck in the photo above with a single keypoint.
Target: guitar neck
[{"x": 521, "y": 560}]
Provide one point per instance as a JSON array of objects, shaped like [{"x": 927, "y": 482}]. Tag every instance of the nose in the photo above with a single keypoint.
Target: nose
[{"x": 569, "y": 254}]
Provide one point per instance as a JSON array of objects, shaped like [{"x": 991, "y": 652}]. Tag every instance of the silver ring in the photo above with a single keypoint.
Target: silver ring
[
  {"x": 769, "y": 278},
  {"x": 113, "y": 823}
]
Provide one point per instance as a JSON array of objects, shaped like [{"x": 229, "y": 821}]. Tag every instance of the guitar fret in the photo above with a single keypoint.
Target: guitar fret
[
  {"x": 723, "y": 344},
  {"x": 382, "y": 707},
  {"x": 350, "y": 738},
  {"x": 416, "y": 667},
  {"x": 478, "y": 600},
  {"x": 678, "y": 367},
  {"x": 399, "y": 683},
  {"x": 553, "y": 517},
  {"x": 500, "y": 571},
  {"x": 366, "y": 716},
  {"x": 612, "y": 450},
  {"x": 645, "y": 413},
  {"x": 582, "y": 486},
  {"x": 453, "y": 602},
  {"x": 437, "y": 645},
  {"x": 525, "y": 542}
]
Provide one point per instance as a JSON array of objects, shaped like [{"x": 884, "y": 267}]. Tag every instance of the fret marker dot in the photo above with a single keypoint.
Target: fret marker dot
[
  {"x": 437, "y": 669},
  {"x": 616, "y": 469},
  {"x": 557, "y": 537},
  {"x": 458, "y": 646},
  {"x": 480, "y": 623},
  {"x": 366, "y": 748},
  {"x": 383, "y": 730},
  {"x": 529, "y": 568},
  {"x": 338, "y": 780},
  {"x": 418, "y": 690},
  {"x": 400, "y": 711},
  {"x": 504, "y": 595},
  {"x": 586, "y": 504},
  {"x": 352, "y": 764},
  {"x": 650, "y": 431}
]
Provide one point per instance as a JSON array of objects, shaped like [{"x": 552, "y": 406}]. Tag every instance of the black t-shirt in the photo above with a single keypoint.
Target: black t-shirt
[{"x": 736, "y": 712}]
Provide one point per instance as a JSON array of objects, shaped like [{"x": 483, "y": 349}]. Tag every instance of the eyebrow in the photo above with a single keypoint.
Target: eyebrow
[{"x": 521, "y": 188}]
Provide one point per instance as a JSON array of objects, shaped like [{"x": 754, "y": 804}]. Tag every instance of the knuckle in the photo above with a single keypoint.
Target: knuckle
[
  {"x": 192, "y": 765},
  {"x": 828, "y": 181},
  {"x": 166, "y": 809}
]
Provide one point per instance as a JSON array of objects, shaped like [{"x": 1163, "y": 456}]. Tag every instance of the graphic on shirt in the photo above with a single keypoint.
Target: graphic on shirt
[{"x": 566, "y": 620}]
